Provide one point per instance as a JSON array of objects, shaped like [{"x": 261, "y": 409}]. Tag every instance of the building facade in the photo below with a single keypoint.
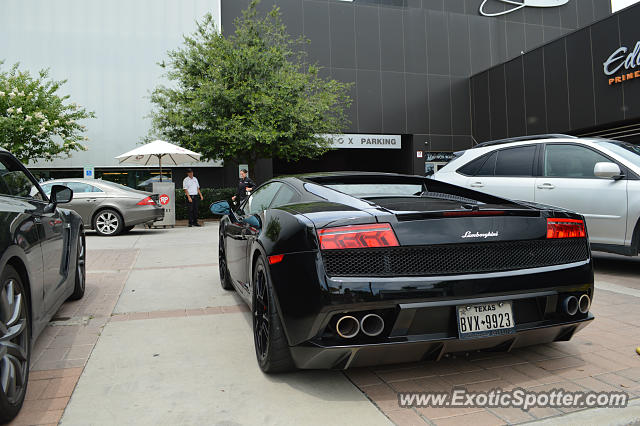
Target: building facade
[
  {"x": 411, "y": 63},
  {"x": 436, "y": 76},
  {"x": 585, "y": 84},
  {"x": 108, "y": 51}
]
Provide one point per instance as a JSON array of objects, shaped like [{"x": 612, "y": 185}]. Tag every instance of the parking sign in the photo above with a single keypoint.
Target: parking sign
[{"x": 89, "y": 172}]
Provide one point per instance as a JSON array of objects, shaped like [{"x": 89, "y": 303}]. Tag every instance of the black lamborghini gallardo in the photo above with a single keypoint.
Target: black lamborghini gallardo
[{"x": 354, "y": 269}]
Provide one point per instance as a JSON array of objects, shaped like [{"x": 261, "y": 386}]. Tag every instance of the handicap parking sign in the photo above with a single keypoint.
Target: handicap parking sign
[{"x": 89, "y": 172}]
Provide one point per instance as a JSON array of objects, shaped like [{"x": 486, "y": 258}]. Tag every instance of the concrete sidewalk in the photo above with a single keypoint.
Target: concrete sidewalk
[{"x": 179, "y": 350}]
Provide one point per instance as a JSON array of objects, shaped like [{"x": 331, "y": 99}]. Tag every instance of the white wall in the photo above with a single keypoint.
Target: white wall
[{"x": 108, "y": 50}]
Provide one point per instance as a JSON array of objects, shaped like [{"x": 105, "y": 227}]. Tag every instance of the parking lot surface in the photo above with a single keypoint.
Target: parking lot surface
[{"x": 157, "y": 341}]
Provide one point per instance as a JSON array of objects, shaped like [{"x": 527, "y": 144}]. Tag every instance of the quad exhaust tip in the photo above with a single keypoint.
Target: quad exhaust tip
[
  {"x": 570, "y": 305},
  {"x": 347, "y": 327},
  {"x": 584, "y": 303},
  {"x": 372, "y": 325}
]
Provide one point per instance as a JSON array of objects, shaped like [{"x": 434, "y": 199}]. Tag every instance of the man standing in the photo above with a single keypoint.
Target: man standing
[
  {"x": 245, "y": 185},
  {"x": 192, "y": 191}
]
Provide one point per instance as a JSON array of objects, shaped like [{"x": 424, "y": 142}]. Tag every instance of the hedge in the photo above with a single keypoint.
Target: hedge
[{"x": 209, "y": 194}]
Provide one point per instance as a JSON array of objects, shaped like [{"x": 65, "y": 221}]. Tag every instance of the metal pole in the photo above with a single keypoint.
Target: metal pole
[{"x": 160, "y": 161}]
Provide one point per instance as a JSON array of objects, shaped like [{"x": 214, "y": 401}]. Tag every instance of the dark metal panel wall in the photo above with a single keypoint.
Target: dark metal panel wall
[
  {"x": 411, "y": 60},
  {"x": 563, "y": 87}
]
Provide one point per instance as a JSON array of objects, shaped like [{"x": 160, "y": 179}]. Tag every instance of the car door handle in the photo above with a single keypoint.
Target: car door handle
[
  {"x": 92, "y": 200},
  {"x": 477, "y": 185},
  {"x": 546, "y": 186}
]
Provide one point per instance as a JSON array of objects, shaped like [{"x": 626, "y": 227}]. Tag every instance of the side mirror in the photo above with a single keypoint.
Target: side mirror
[
  {"x": 61, "y": 194},
  {"x": 220, "y": 207},
  {"x": 607, "y": 170}
]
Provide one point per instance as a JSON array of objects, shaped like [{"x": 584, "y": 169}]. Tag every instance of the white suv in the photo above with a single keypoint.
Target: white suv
[{"x": 598, "y": 178}]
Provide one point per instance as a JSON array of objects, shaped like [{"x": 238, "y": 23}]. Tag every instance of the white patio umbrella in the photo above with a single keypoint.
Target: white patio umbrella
[{"x": 154, "y": 153}]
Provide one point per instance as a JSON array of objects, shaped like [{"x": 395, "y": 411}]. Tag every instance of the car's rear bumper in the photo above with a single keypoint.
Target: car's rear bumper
[
  {"x": 412, "y": 349},
  {"x": 420, "y": 313},
  {"x": 309, "y": 300},
  {"x": 143, "y": 214}
]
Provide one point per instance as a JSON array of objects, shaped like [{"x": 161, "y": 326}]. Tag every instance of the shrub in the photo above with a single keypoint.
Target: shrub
[
  {"x": 209, "y": 194},
  {"x": 36, "y": 120}
]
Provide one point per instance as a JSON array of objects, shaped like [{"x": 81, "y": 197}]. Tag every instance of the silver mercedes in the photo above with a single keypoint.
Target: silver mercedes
[{"x": 109, "y": 208}]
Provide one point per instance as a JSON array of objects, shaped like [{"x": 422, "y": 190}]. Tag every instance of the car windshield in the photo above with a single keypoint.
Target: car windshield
[
  {"x": 626, "y": 150},
  {"x": 377, "y": 189}
]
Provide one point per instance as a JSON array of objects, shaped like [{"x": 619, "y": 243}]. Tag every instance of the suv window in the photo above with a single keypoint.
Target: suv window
[
  {"x": 471, "y": 168},
  {"x": 489, "y": 166},
  {"x": 286, "y": 195},
  {"x": 571, "y": 161},
  {"x": 262, "y": 198},
  {"x": 515, "y": 161}
]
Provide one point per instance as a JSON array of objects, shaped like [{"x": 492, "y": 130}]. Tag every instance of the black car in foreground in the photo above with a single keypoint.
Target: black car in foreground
[
  {"x": 42, "y": 264},
  {"x": 353, "y": 269}
]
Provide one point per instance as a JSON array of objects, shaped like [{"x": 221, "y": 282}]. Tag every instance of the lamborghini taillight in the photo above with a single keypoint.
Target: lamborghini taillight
[
  {"x": 357, "y": 236},
  {"x": 565, "y": 228}
]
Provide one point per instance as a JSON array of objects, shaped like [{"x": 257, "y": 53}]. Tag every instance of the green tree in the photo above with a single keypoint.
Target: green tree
[
  {"x": 35, "y": 121},
  {"x": 248, "y": 96}
]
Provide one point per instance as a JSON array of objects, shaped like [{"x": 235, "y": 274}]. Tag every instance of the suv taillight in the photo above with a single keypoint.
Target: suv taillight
[
  {"x": 357, "y": 236},
  {"x": 147, "y": 202},
  {"x": 565, "y": 228}
]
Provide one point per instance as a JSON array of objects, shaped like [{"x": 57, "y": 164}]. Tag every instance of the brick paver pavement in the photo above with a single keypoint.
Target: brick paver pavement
[
  {"x": 62, "y": 350},
  {"x": 601, "y": 357},
  {"x": 64, "y": 347}
]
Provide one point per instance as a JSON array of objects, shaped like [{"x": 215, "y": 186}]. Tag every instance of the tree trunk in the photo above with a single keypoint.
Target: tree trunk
[{"x": 251, "y": 165}]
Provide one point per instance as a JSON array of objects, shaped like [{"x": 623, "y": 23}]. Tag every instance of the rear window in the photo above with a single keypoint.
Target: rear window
[
  {"x": 515, "y": 161},
  {"x": 115, "y": 185},
  {"x": 471, "y": 168},
  {"x": 377, "y": 189},
  {"x": 489, "y": 166}
]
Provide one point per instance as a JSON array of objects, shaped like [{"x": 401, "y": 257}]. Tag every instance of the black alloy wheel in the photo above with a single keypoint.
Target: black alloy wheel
[
  {"x": 225, "y": 280},
  {"x": 80, "y": 270},
  {"x": 272, "y": 348},
  {"x": 15, "y": 345},
  {"x": 261, "y": 315}
]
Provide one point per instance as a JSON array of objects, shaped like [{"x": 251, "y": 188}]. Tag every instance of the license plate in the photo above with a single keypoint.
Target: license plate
[{"x": 485, "y": 319}]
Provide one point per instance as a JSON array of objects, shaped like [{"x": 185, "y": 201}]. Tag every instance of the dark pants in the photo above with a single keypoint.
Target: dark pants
[{"x": 193, "y": 209}]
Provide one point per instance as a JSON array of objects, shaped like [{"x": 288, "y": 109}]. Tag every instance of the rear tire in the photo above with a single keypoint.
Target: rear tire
[
  {"x": 272, "y": 348},
  {"x": 16, "y": 344},
  {"x": 80, "y": 272},
  {"x": 225, "y": 279},
  {"x": 108, "y": 223}
]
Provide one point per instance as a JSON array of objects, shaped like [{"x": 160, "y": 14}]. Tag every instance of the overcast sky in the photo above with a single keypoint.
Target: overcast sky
[{"x": 621, "y": 4}]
